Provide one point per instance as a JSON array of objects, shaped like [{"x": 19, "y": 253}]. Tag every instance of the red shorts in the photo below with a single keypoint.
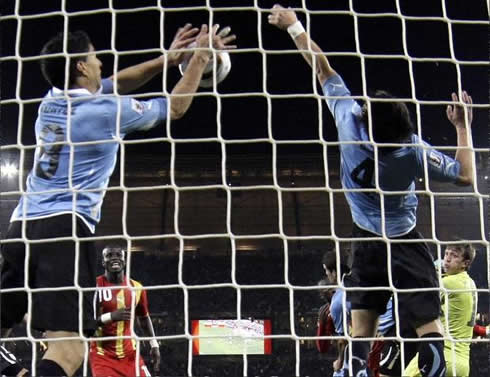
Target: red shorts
[{"x": 104, "y": 366}]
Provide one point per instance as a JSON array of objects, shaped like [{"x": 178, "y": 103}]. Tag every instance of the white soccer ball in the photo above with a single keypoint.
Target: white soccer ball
[{"x": 223, "y": 67}]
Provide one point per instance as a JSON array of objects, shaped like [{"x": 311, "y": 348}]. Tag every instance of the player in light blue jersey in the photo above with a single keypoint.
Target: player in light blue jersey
[
  {"x": 378, "y": 173},
  {"x": 80, "y": 125},
  {"x": 337, "y": 313},
  {"x": 338, "y": 306}
]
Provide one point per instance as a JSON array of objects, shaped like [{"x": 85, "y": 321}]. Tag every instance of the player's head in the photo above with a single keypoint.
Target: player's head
[
  {"x": 113, "y": 259},
  {"x": 329, "y": 262},
  {"x": 458, "y": 258},
  {"x": 390, "y": 120},
  {"x": 85, "y": 64}
]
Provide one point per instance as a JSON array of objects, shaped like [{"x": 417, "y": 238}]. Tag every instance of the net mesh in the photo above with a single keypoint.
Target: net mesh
[{"x": 283, "y": 180}]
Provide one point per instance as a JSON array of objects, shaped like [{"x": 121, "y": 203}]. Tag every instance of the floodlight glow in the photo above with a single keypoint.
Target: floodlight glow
[{"x": 9, "y": 170}]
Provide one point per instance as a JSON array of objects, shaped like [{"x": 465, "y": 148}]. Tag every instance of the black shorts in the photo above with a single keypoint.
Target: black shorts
[
  {"x": 391, "y": 355},
  {"x": 50, "y": 264},
  {"x": 412, "y": 267}
]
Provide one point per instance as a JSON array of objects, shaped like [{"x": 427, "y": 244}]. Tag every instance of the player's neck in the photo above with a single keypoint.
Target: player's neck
[
  {"x": 456, "y": 272},
  {"x": 115, "y": 277},
  {"x": 83, "y": 83}
]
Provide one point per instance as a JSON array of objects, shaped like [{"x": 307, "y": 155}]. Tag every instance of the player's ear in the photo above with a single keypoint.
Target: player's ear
[{"x": 81, "y": 67}]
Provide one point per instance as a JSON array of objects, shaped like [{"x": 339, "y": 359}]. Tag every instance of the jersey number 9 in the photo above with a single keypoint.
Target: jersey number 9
[{"x": 52, "y": 152}]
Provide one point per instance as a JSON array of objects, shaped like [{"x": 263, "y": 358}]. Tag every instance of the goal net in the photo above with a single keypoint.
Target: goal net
[{"x": 227, "y": 212}]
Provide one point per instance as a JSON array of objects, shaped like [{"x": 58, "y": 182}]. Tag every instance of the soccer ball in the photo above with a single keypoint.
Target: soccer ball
[{"x": 223, "y": 67}]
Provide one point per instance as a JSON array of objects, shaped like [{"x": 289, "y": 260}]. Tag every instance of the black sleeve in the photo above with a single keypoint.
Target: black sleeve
[{"x": 8, "y": 363}]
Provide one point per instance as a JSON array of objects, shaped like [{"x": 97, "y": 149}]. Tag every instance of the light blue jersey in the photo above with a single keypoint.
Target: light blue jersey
[
  {"x": 337, "y": 311},
  {"x": 386, "y": 320},
  {"x": 397, "y": 170},
  {"x": 93, "y": 117}
]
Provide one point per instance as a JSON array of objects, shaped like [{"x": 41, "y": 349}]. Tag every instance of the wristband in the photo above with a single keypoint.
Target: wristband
[
  {"x": 154, "y": 343},
  {"x": 106, "y": 318},
  {"x": 296, "y": 29}
]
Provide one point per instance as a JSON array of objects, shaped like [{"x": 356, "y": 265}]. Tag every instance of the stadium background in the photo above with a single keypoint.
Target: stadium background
[{"x": 255, "y": 212}]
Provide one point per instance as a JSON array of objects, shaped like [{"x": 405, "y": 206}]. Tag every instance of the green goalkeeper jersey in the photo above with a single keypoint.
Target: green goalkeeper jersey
[{"x": 462, "y": 311}]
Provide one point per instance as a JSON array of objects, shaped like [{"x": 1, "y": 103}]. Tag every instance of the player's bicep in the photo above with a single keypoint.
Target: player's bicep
[
  {"x": 141, "y": 115},
  {"x": 142, "y": 308},
  {"x": 343, "y": 107},
  {"x": 337, "y": 95}
]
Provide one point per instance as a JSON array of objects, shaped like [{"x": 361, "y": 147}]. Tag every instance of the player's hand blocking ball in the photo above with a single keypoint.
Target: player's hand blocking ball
[{"x": 223, "y": 62}]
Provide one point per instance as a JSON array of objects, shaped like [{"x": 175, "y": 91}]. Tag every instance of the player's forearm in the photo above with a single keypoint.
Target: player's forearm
[
  {"x": 341, "y": 344},
  {"x": 314, "y": 53},
  {"x": 147, "y": 326},
  {"x": 132, "y": 78},
  {"x": 188, "y": 84},
  {"x": 104, "y": 319},
  {"x": 465, "y": 157}
]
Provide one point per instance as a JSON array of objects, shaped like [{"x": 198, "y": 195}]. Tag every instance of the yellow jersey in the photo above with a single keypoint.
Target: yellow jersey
[
  {"x": 460, "y": 307},
  {"x": 461, "y": 311}
]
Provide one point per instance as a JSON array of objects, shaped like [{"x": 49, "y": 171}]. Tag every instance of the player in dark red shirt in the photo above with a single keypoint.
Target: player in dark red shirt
[{"x": 117, "y": 357}]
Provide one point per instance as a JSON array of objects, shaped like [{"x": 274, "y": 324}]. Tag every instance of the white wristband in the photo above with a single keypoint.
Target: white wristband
[
  {"x": 296, "y": 29},
  {"x": 154, "y": 343},
  {"x": 106, "y": 318}
]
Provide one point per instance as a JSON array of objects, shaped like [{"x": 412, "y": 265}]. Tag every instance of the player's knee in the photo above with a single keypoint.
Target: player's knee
[{"x": 431, "y": 356}]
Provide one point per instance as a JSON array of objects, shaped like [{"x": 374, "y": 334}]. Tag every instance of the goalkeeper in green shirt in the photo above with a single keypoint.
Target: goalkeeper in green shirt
[{"x": 459, "y": 304}]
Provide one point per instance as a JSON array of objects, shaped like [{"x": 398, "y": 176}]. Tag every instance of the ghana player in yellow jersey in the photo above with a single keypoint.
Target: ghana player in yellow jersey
[{"x": 459, "y": 304}]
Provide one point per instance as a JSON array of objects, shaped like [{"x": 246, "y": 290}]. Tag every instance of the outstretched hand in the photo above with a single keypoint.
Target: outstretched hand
[
  {"x": 456, "y": 113},
  {"x": 221, "y": 40},
  {"x": 282, "y": 17},
  {"x": 183, "y": 38}
]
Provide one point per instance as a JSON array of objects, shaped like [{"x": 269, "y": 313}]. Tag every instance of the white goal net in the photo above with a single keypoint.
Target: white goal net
[{"x": 226, "y": 213}]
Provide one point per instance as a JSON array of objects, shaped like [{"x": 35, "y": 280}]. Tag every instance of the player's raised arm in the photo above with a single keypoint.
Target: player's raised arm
[
  {"x": 189, "y": 82},
  {"x": 285, "y": 19},
  {"x": 461, "y": 117},
  {"x": 136, "y": 76}
]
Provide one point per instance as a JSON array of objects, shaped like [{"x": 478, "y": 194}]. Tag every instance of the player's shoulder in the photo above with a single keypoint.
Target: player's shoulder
[
  {"x": 136, "y": 283},
  {"x": 337, "y": 301},
  {"x": 466, "y": 278},
  {"x": 101, "y": 280},
  {"x": 456, "y": 281},
  {"x": 97, "y": 107}
]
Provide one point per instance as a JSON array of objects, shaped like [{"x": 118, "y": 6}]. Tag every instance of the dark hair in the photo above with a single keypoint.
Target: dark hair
[
  {"x": 330, "y": 261},
  {"x": 115, "y": 245},
  {"x": 390, "y": 120},
  {"x": 53, "y": 68},
  {"x": 467, "y": 251}
]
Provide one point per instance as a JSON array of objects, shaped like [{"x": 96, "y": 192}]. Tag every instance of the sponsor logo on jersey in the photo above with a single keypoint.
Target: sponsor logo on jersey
[
  {"x": 435, "y": 159},
  {"x": 137, "y": 106}
]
